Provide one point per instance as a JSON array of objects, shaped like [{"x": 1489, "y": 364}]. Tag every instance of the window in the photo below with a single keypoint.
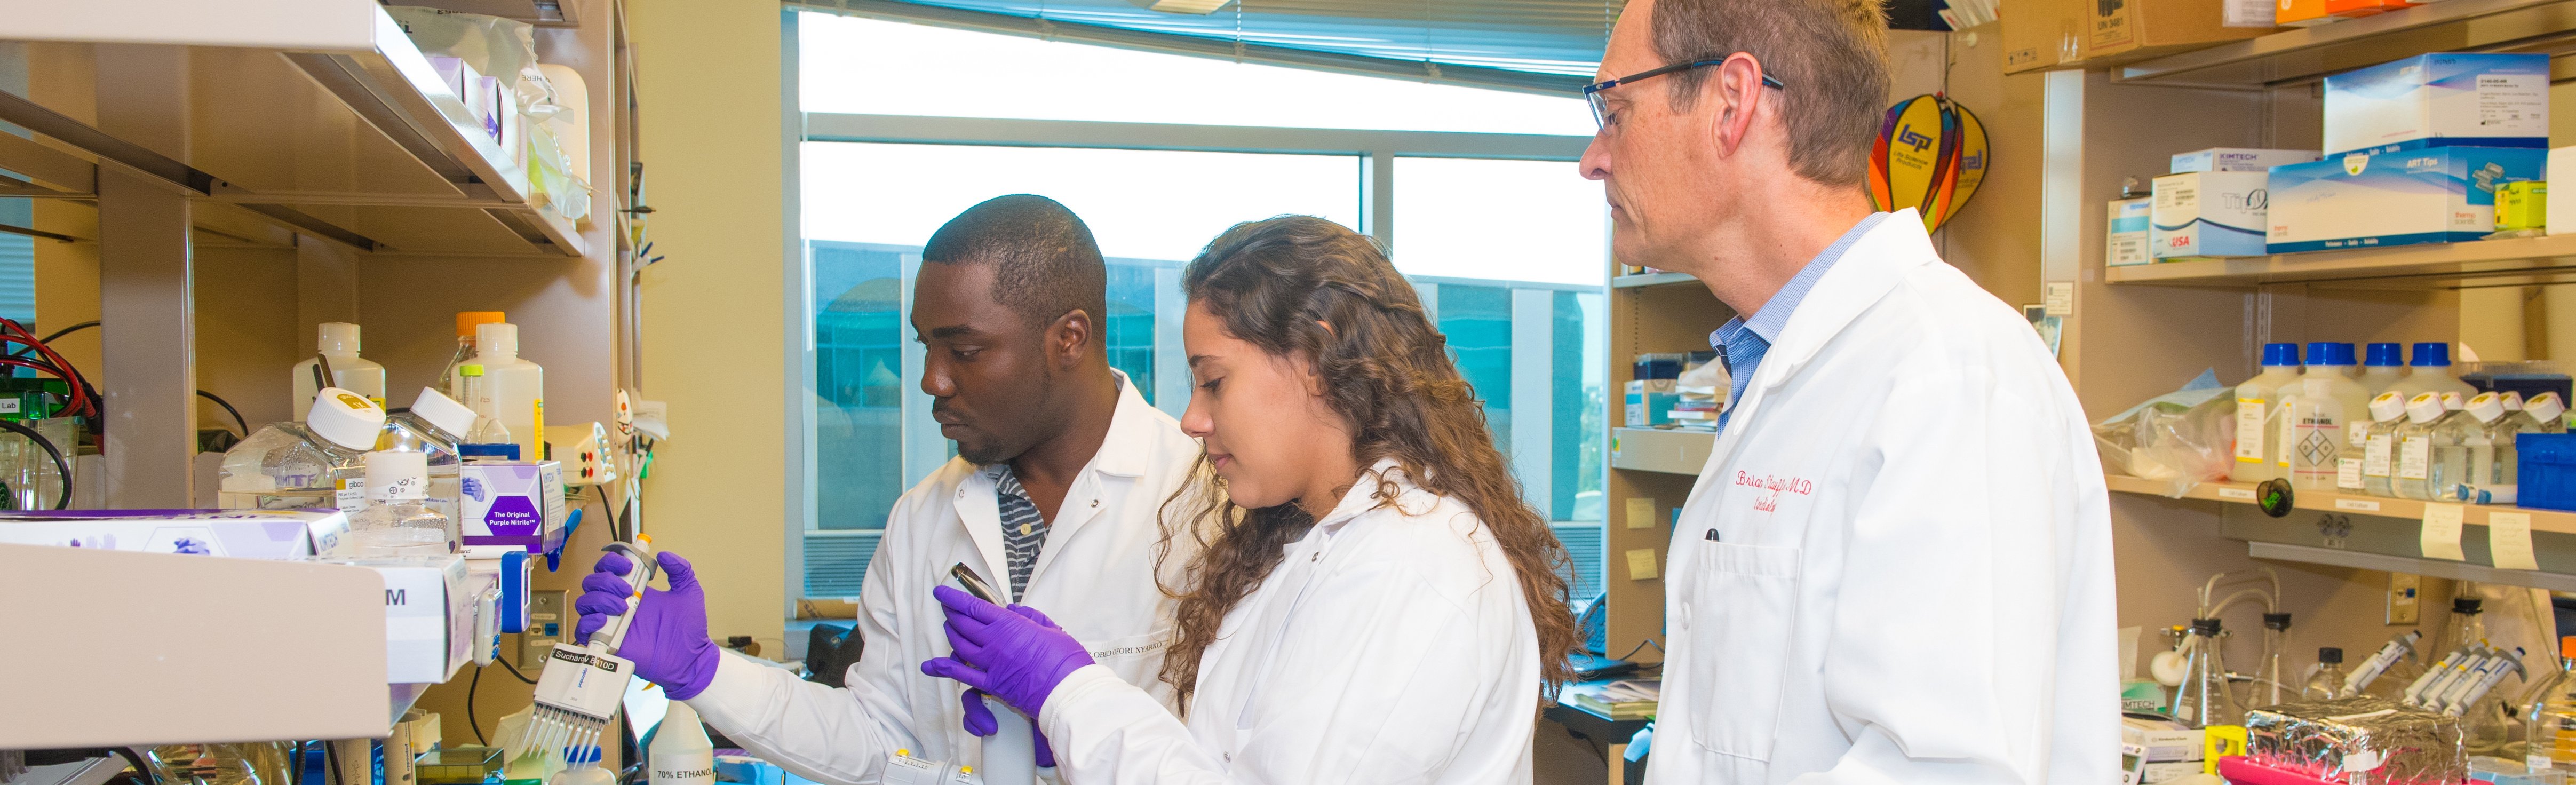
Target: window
[{"x": 1509, "y": 254}]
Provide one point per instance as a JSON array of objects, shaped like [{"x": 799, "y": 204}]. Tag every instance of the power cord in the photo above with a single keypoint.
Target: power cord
[
  {"x": 228, "y": 408},
  {"x": 514, "y": 672},
  {"x": 60, "y": 465},
  {"x": 470, "y": 721}
]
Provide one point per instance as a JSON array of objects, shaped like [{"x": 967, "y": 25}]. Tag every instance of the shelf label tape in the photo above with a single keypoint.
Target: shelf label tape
[
  {"x": 2237, "y": 494},
  {"x": 2357, "y": 505}
]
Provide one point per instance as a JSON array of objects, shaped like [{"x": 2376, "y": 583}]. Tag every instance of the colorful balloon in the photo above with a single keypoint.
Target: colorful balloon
[{"x": 1931, "y": 155}]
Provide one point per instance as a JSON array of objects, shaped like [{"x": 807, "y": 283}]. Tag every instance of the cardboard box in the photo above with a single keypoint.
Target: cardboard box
[
  {"x": 2302, "y": 13},
  {"x": 2119, "y": 31},
  {"x": 424, "y": 597},
  {"x": 2523, "y": 205},
  {"x": 2433, "y": 195},
  {"x": 245, "y": 534},
  {"x": 2562, "y": 214},
  {"x": 2437, "y": 100},
  {"x": 2237, "y": 159},
  {"x": 2040, "y": 34},
  {"x": 2125, "y": 235},
  {"x": 2164, "y": 744},
  {"x": 2208, "y": 214},
  {"x": 515, "y": 503},
  {"x": 1650, "y": 408}
]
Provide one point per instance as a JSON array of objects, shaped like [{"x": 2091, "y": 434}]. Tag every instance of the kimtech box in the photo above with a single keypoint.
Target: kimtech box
[
  {"x": 2237, "y": 159},
  {"x": 2208, "y": 214},
  {"x": 2430, "y": 195},
  {"x": 2435, "y": 100}
]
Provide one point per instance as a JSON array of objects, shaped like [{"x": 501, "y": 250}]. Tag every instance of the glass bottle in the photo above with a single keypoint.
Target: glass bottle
[
  {"x": 2549, "y": 728},
  {"x": 2452, "y": 462},
  {"x": 2327, "y": 682},
  {"x": 398, "y": 520},
  {"x": 2205, "y": 698},
  {"x": 2257, "y": 453},
  {"x": 2468, "y": 626},
  {"x": 2270, "y": 686},
  {"x": 2379, "y": 444},
  {"x": 2415, "y": 447}
]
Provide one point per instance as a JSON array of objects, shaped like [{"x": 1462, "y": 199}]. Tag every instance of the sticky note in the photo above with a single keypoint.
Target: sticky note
[
  {"x": 2509, "y": 540},
  {"x": 2059, "y": 299},
  {"x": 1641, "y": 512},
  {"x": 1641, "y": 564},
  {"x": 2441, "y": 536}
]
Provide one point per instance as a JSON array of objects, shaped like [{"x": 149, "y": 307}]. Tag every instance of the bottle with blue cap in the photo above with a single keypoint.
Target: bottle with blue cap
[
  {"x": 2383, "y": 365},
  {"x": 2257, "y": 454},
  {"x": 2315, "y": 452},
  {"x": 2431, "y": 371}
]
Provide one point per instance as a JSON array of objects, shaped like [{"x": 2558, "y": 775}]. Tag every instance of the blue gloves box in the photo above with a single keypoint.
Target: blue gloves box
[{"x": 2426, "y": 195}]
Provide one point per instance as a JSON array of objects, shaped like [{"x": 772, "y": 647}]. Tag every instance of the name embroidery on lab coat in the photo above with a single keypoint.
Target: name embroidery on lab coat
[{"x": 1772, "y": 487}]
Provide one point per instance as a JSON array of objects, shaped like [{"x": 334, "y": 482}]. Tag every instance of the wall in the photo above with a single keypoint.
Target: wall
[{"x": 709, "y": 76}]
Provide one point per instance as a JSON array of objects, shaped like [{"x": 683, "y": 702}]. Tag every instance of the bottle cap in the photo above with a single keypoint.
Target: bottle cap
[
  {"x": 337, "y": 338},
  {"x": 2486, "y": 407},
  {"x": 2512, "y": 400},
  {"x": 2384, "y": 354},
  {"x": 2387, "y": 406},
  {"x": 2205, "y": 626},
  {"x": 2280, "y": 354},
  {"x": 2452, "y": 402},
  {"x": 346, "y": 418},
  {"x": 2467, "y": 605},
  {"x": 466, "y": 321},
  {"x": 470, "y": 369},
  {"x": 2329, "y": 354},
  {"x": 2437, "y": 355},
  {"x": 2424, "y": 407},
  {"x": 2276, "y": 621},
  {"x": 2544, "y": 407},
  {"x": 2567, "y": 646},
  {"x": 2330, "y": 656},
  {"x": 443, "y": 412},
  {"x": 397, "y": 475},
  {"x": 496, "y": 340}
]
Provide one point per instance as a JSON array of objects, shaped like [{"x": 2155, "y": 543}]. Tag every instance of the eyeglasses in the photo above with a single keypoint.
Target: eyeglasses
[{"x": 1602, "y": 117}]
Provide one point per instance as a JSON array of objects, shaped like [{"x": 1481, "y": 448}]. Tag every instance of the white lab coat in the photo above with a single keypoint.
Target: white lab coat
[
  {"x": 1095, "y": 577},
  {"x": 1912, "y": 577},
  {"x": 1390, "y": 645}
]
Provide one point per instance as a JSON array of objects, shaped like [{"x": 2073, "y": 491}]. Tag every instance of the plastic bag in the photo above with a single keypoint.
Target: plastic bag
[
  {"x": 505, "y": 49},
  {"x": 2179, "y": 438}
]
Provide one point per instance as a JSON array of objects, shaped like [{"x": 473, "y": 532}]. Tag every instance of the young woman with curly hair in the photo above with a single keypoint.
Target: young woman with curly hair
[{"x": 1369, "y": 599}]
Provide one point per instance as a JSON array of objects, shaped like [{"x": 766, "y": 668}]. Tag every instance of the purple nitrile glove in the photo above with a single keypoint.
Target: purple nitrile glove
[
  {"x": 1018, "y": 657},
  {"x": 980, "y": 721},
  {"x": 667, "y": 640}
]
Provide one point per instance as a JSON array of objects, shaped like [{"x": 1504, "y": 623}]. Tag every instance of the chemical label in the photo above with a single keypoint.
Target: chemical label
[
  {"x": 352, "y": 496},
  {"x": 2317, "y": 444},
  {"x": 2375, "y": 455},
  {"x": 2249, "y": 430},
  {"x": 2414, "y": 458},
  {"x": 2348, "y": 473}
]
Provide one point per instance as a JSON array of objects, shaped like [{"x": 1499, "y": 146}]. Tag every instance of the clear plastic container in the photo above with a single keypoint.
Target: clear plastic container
[
  {"x": 2549, "y": 727},
  {"x": 2546, "y": 412},
  {"x": 512, "y": 391},
  {"x": 2327, "y": 681},
  {"x": 2379, "y": 444},
  {"x": 2415, "y": 453},
  {"x": 408, "y": 432},
  {"x": 2205, "y": 698},
  {"x": 2258, "y": 454},
  {"x": 398, "y": 520},
  {"x": 288, "y": 466}
]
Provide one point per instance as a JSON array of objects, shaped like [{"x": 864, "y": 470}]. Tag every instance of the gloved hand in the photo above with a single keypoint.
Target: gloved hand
[
  {"x": 980, "y": 721},
  {"x": 667, "y": 639},
  {"x": 1018, "y": 655}
]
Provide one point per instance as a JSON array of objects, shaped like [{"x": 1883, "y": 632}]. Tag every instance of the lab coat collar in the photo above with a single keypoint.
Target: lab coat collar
[
  {"x": 1124, "y": 453},
  {"x": 1363, "y": 495},
  {"x": 1131, "y": 433}
]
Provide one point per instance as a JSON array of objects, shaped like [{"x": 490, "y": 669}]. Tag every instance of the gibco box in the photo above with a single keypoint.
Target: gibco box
[
  {"x": 2431, "y": 195},
  {"x": 423, "y": 598},
  {"x": 2435, "y": 100},
  {"x": 2125, "y": 236},
  {"x": 2238, "y": 159},
  {"x": 2208, "y": 214},
  {"x": 513, "y": 503}
]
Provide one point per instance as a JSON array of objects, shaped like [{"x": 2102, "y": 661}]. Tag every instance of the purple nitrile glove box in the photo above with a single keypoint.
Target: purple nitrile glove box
[
  {"x": 249, "y": 534},
  {"x": 514, "y": 503}
]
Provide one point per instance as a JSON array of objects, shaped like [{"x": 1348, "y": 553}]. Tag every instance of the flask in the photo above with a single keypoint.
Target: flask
[
  {"x": 466, "y": 321},
  {"x": 2328, "y": 680},
  {"x": 2550, "y": 726},
  {"x": 2430, "y": 371},
  {"x": 513, "y": 390},
  {"x": 2313, "y": 411},
  {"x": 2415, "y": 447},
  {"x": 2257, "y": 455},
  {"x": 2270, "y": 685},
  {"x": 2205, "y": 699},
  {"x": 2382, "y": 365},
  {"x": 2379, "y": 444},
  {"x": 2467, "y": 626},
  {"x": 398, "y": 520},
  {"x": 681, "y": 754},
  {"x": 339, "y": 344}
]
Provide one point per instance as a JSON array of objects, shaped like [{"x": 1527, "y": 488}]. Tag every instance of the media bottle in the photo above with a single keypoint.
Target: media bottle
[
  {"x": 2413, "y": 478},
  {"x": 398, "y": 520},
  {"x": 2379, "y": 444},
  {"x": 338, "y": 343}
]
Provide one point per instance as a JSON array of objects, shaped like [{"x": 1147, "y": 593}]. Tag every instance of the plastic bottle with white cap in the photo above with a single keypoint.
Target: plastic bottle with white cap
[
  {"x": 434, "y": 426},
  {"x": 2258, "y": 454},
  {"x": 397, "y": 520},
  {"x": 2314, "y": 410},
  {"x": 2485, "y": 411},
  {"x": 2546, "y": 412},
  {"x": 2379, "y": 443},
  {"x": 512, "y": 390},
  {"x": 2415, "y": 446},
  {"x": 338, "y": 343}
]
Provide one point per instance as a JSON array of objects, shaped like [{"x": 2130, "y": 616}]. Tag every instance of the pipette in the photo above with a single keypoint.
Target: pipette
[{"x": 582, "y": 684}]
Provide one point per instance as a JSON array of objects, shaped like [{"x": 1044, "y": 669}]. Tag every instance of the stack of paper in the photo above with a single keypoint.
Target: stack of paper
[{"x": 1624, "y": 699}]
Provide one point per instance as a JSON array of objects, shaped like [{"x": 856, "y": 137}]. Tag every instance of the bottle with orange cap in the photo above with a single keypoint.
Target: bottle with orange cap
[
  {"x": 2550, "y": 724},
  {"x": 466, "y": 321}
]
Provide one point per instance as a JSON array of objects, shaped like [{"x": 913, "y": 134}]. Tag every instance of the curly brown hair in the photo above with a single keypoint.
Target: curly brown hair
[{"x": 1277, "y": 284}]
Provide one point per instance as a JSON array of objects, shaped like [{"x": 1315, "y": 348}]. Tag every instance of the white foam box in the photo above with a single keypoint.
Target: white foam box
[
  {"x": 2164, "y": 744},
  {"x": 2561, "y": 214},
  {"x": 2125, "y": 235},
  {"x": 2208, "y": 214},
  {"x": 424, "y": 599},
  {"x": 2425, "y": 195},
  {"x": 2237, "y": 159},
  {"x": 248, "y": 534},
  {"x": 2433, "y": 100},
  {"x": 514, "y": 503}
]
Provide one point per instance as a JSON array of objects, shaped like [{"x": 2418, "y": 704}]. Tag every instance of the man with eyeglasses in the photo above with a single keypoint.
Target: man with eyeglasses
[{"x": 1896, "y": 566}]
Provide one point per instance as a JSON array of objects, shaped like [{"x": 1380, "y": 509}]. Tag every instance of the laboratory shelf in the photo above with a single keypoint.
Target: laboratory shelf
[
  {"x": 2351, "y": 504},
  {"x": 1650, "y": 279},
  {"x": 345, "y": 132},
  {"x": 2438, "y": 568},
  {"x": 2523, "y": 261},
  {"x": 1664, "y": 450},
  {"x": 2305, "y": 54}
]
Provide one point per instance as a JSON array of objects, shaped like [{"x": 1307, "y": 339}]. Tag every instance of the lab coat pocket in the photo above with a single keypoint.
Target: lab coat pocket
[{"x": 1741, "y": 605}]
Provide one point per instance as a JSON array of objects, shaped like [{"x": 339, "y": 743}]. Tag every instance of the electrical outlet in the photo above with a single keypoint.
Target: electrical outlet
[
  {"x": 549, "y": 620},
  {"x": 2402, "y": 597}
]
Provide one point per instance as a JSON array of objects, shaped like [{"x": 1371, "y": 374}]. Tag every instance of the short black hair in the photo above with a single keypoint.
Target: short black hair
[{"x": 1045, "y": 263}]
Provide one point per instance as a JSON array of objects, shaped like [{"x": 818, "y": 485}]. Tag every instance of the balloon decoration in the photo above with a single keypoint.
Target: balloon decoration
[{"x": 1931, "y": 154}]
